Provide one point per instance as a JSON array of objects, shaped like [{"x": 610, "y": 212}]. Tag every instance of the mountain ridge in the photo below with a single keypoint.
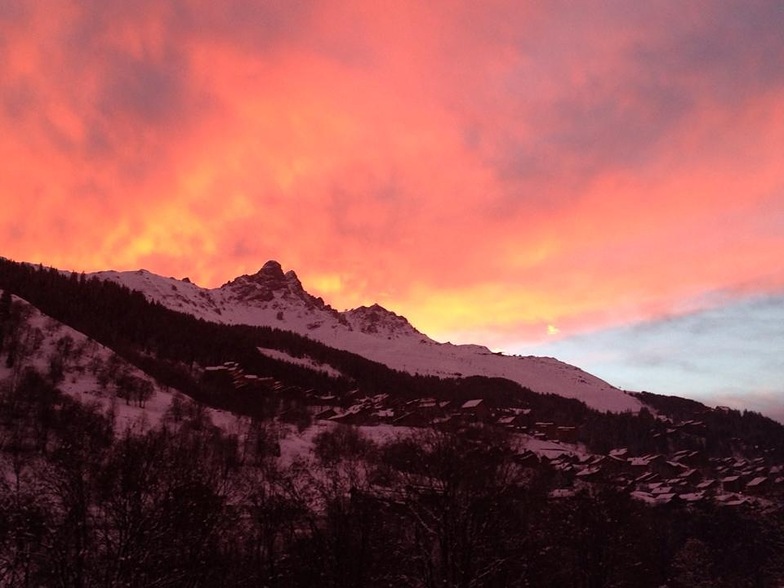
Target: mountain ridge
[{"x": 274, "y": 298}]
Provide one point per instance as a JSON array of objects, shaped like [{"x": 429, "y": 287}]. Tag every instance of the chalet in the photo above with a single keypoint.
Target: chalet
[
  {"x": 217, "y": 375},
  {"x": 692, "y": 497},
  {"x": 666, "y": 469},
  {"x": 691, "y": 458},
  {"x": 566, "y": 434},
  {"x": 547, "y": 430},
  {"x": 691, "y": 476},
  {"x": 732, "y": 501},
  {"x": 639, "y": 464},
  {"x": 666, "y": 498},
  {"x": 384, "y": 415},
  {"x": 653, "y": 463},
  {"x": 561, "y": 493},
  {"x": 356, "y": 415},
  {"x": 758, "y": 486},
  {"x": 252, "y": 382},
  {"x": 696, "y": 428},
  {"x": 732, "y": 484},
  {"x": 528, "y": 459},
  {"x": 508, "y": 422},
  {"x": 476, "y": 408},
  {"x": 643, "y": 496},
  {"x": 647, "y": 478},
  {"x": 679, "y": 484},
  {"x": 620, "y": 453},
  {"x": 593, "y": 474},
  {"x": 524, "y": 415},
  {"x": 411, "y": 419},
  {"x": 322, "y": 403},
  {"x": 427, "y": 408},
  {"x": 661, "y": 489},
  {"x": 562, "y": 463},
  {"x": 325, "y": 414},
  {"x": 513, "y": 421},
  {"x": 615, "y": 464}
]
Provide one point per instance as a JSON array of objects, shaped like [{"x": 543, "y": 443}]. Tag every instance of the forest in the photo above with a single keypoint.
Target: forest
[{"x": 185, "y": 504}]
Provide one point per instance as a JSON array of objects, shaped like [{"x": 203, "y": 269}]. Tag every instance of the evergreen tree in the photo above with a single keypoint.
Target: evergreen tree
[{"x": 5, "y": 315}]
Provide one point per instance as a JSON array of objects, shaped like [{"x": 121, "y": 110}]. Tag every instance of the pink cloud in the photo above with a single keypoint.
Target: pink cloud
[{"x": 479, "y": 170}]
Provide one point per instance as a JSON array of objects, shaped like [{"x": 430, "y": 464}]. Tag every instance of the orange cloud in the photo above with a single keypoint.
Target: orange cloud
[{"x": 485, "y": 171}]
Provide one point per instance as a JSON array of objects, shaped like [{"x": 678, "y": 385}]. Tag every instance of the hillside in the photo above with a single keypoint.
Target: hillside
[{"x": 274, "y": 299}]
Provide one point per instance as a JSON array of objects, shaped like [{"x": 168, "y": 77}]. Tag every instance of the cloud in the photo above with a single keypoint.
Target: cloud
[
  {"x": 485, "y": 171},
  {"x": 727, "y": 354}
]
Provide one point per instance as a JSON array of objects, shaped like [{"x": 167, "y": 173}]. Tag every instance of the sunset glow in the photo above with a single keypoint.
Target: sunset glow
[{"x": 489, "y": 170}]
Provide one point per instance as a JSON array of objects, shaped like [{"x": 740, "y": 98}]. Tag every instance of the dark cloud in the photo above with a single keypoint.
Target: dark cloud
[
  {"x": 258, "y": 27},
  {"x": 732, "y": 49},
  {"x": 19, "y": 100},
  {"x": 14, "y": 11},
  {"x": 620, "y": 103},
  {"x": 368, "y": 209},
  {"x": 150, "y": 92}
]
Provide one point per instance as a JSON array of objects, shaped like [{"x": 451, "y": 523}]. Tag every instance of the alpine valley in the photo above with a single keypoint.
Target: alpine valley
[{"x": 156, "y": 433}]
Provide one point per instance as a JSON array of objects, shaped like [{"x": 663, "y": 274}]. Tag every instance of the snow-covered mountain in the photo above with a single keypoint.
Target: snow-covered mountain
[{"x": 277, "y": 299}]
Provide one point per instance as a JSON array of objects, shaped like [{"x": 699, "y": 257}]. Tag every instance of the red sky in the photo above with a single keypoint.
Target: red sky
[{"x": 487, "y": 169}]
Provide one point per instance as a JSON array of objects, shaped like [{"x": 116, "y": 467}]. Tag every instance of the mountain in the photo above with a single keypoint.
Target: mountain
[{"x": 273, "y": 298}]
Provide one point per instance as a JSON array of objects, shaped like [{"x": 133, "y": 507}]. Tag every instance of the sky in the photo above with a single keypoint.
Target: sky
[{"x": 598, "y": 181}]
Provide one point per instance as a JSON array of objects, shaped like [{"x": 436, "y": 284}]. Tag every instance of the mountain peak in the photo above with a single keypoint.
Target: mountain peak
[
  {"x": 271, "y": 273},
  {"x": 376, "y": 320},
  {"x": 272, "y": 269},
  {"x": 271, "y": 286}
]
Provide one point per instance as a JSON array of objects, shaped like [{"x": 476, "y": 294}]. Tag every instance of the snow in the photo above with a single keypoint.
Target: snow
[
  {"x": 549, "y": 449},
  {"x": 296, "y": 445},
  {"x": 82, "y": 384},
  {"x": 300, "y": 361},
  {"x": 373, "y": 332}
]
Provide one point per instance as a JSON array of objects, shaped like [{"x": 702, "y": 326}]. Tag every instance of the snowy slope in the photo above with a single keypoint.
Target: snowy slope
[
  {"x": 81, "y": 373},
  {"x": 273, "y": 298}
]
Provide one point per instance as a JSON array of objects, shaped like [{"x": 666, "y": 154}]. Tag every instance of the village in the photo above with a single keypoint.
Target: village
[{"x": 686, "y": 477}]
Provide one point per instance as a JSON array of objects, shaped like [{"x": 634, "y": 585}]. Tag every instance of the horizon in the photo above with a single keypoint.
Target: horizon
[{"x": 596, "y": 182}]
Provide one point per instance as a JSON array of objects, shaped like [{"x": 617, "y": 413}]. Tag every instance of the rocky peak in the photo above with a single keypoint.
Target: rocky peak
[
  {"x": 269, "y": 284},
  {"x": 377, "y": 320},
  {"x": 293, "y": 280},
  {"x": 271, "y": 270},
  {"x": 265, "y": 283}
]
